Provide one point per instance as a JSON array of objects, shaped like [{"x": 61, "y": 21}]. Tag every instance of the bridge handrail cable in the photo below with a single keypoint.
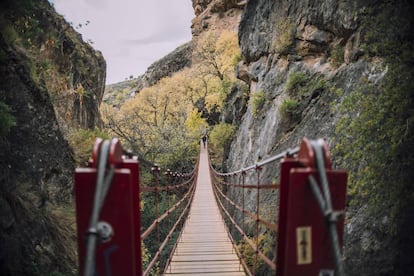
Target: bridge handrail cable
[
  {"x": 117, "y": 177},
  {"x": 189, "y": 195},
  {"x": 159, "y": 219},
  {"x": 189, "y": 179},
  {"x": 288, "y": 152},
  {"x": 219, "y": 179},
  {"x": 313, "y": 157},
  {"x": 281, "y": 238}
]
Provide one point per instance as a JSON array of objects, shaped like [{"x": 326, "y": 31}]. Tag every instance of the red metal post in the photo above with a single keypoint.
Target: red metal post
[
  {"x": 308, "y": 250},
  {"x": 286, "y": 165},
  {"x": 156, "y": 171},
  {"x": 304, "y": 245},
  {"x": 121, "y": 255},
  {"x": 256, "y": 259}
]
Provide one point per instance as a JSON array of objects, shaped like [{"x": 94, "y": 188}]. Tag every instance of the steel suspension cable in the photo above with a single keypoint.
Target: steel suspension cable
[
  {"x": 251, "y": 243},
  {"x": 170, "y": 233},
  {"x": 255, "y": 217},
  {"x": 103, "y": 183},
  {"x": 189, "y": 185},
  {"x": 325, "y": 204},
  {"x": 288, "y": 152}
]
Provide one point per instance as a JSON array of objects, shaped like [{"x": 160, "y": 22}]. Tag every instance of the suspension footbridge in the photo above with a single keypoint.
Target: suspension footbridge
[
  {"x": 209, "y": 222},
  {"x": 204, "y": 245}
]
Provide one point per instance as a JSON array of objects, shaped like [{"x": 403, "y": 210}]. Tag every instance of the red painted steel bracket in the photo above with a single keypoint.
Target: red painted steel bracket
[
  {"x": 307, "y": 156},
  {"x": 304, "y": 246},
  {"x": 121, "y": 255}
]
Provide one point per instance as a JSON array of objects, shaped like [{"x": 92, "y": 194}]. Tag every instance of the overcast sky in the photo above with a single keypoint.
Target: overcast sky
[{"x": 131, "y": 34}]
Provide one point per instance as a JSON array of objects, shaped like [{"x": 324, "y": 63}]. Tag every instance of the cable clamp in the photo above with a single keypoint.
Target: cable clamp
[
  {"x": 334, "y": 216},
  {"x": 103, "y": 231},
  {"x": 92, "y": 231}
]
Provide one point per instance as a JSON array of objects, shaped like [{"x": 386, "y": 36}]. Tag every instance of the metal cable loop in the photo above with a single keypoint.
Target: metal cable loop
[
  {"x": 103, "y": 183},
  {"x": 320, "y": 165},
  {"x": 325, "y": 203}
]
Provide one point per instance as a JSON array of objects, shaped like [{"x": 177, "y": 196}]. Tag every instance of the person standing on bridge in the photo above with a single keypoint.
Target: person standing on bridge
[{"x": 204, "y": 138}]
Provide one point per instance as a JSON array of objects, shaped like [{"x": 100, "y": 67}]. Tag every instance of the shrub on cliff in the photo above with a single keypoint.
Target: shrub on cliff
[
  {"x": 285, "y": 31},
  {"x": 256, "y": 102},
  {"x": 82, "y": 141},
  {"x": 288, "y": 109},
  {"x": 374, "y": 137},
  {"x": 376, "y": 141},
  {"x": 7, "y": 120},
  {"x": 295, "y": 81},
  {"x": 337, "y": 55}
]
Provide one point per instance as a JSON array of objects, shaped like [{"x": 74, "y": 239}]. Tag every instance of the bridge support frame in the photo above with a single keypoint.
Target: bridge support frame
[
  {"x": 119, "y": 209},
  {"x": 305, "y": 245}
]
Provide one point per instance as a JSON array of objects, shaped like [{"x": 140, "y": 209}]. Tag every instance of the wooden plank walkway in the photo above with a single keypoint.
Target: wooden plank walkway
[{"x": 204, "y": 247}]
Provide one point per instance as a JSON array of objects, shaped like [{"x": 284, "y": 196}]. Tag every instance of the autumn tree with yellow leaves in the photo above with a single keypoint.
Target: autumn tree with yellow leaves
[{"x": 163, "y": 123}]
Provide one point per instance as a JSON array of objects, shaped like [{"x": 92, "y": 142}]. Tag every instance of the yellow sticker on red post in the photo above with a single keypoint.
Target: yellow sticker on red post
[{"x": 304, "y": 245}]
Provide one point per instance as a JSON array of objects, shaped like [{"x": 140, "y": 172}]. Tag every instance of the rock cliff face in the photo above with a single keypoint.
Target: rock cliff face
[
  {"x": 50, "y": 82},
  {"x": 69, "y": 70},
  {"x": 216, "y": 14},
  {"x": 210, "y": 14},
  {"x": 315, "y": 25},
  {"x": 308, "y": 62},
  {"x": 166, "y": 66}
]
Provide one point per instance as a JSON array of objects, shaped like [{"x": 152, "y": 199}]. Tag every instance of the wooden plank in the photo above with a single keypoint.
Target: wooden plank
[{"x": 204, "y": 247}]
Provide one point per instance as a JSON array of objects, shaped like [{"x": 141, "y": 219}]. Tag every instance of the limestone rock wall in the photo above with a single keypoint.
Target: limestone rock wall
[
  {"x": 166, "y": 66},
  {"x": 318, "y": 55},
  {"x": 216, "y": 14}
]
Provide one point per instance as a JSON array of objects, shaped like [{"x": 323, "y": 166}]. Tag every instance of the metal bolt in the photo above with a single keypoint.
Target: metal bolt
[{"x": 105, "y": 231}]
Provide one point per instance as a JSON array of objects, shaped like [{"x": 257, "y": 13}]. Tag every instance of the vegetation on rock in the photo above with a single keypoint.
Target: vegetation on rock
[
  {"x": 82, "y": 141},
  {"x": 51, "y": 82},
  {"x": 337, "y": 55},
  {"x": 256, "y": 102},
  {"x": 288, "y": 108},
  {"x": 374, "y": 135},
  {"x": 285, "y": 34},
  {"x": 7, "y": 121},
  {"x": 58, "y": 60},
  {"x": 295, "y": 81}
]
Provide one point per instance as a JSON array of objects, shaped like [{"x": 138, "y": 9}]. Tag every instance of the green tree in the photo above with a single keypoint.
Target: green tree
[
  {"x": 82, "y": 141},
  {"x": 195, "y": 124},
  {"x": 215, "y": 55},
  {"x": 153, "y": 123},
  {"x": 221, "y": 136}
]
